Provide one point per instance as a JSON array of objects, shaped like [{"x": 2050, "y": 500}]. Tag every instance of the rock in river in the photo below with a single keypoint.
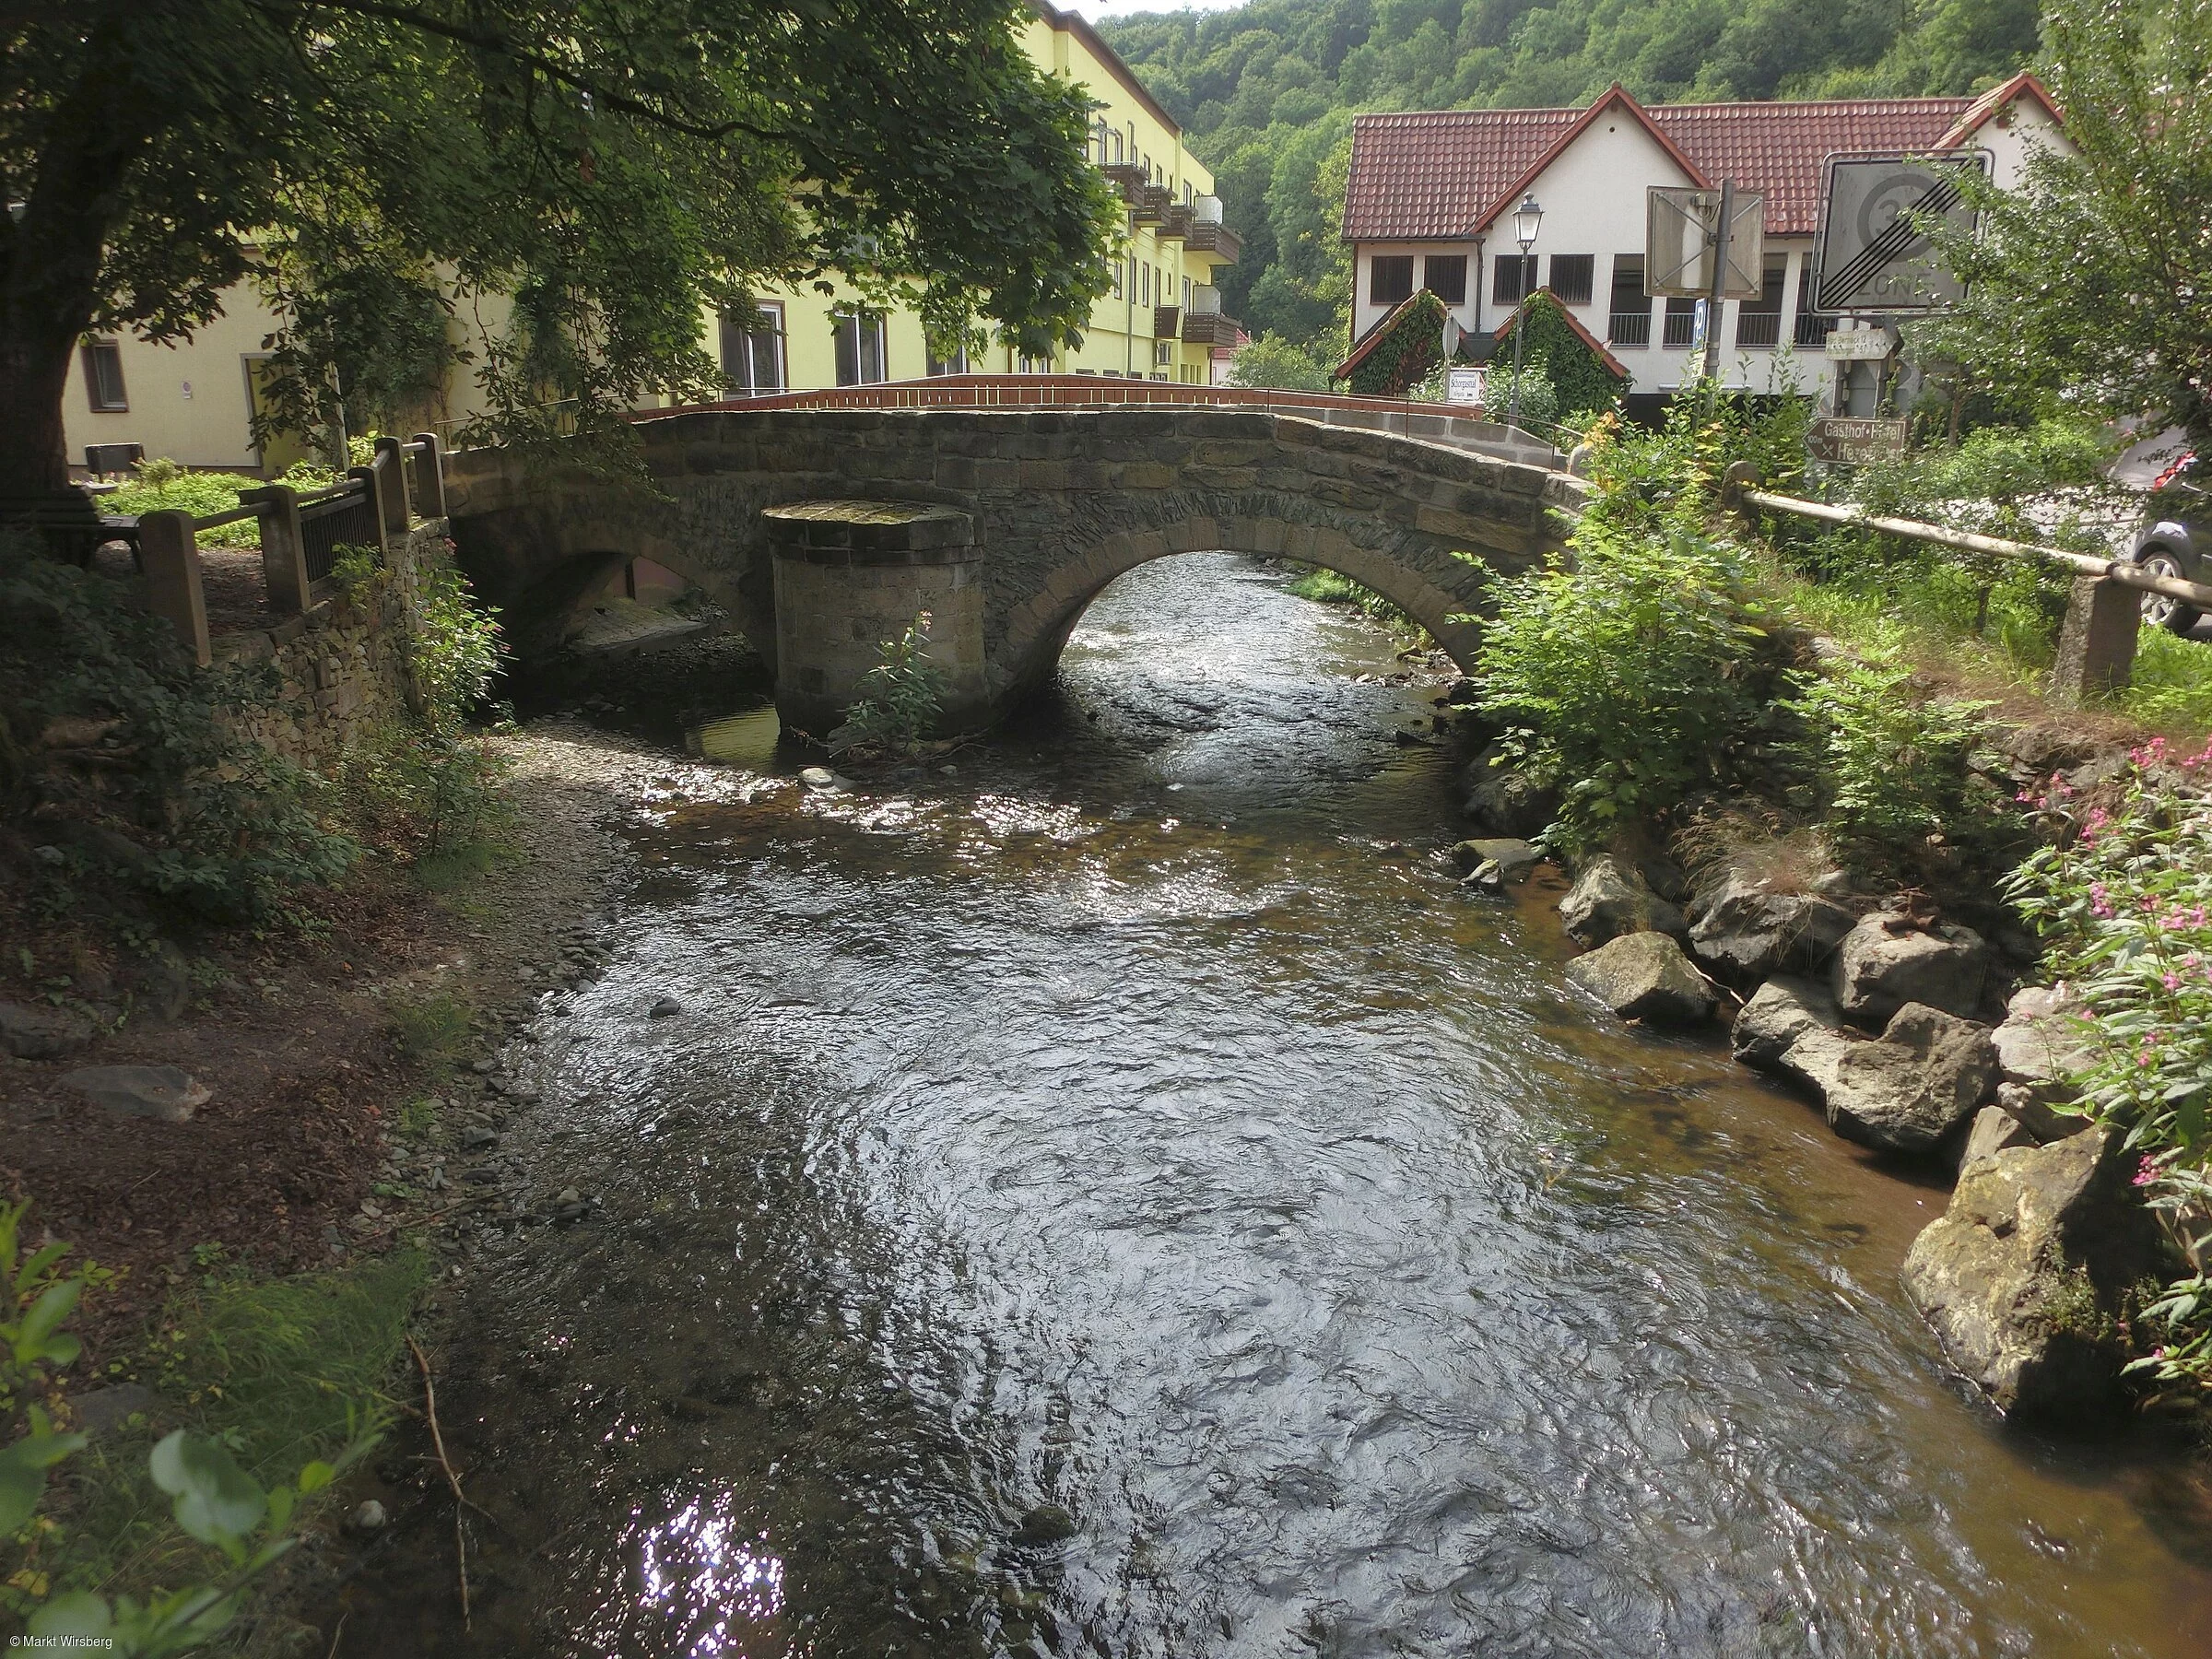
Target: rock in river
[
  {"x": 1514, "y": 858},
  {"x": 1645, "y": 976},
  {"x": 2018, "y": 1276},
  {"x": 1886, "y": 962},
  {"x": 1925, "y": 1074},
  {"x": 1780, "y": 1012},
  {"x": 1611, "y": 897},
  {"x": 1745, "y": 930},
  {"x": 1507, "y": 802}
]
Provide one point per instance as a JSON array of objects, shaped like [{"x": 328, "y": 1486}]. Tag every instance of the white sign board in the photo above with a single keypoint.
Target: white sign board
[
  {"x": 1871, "y": 254},
  {"x": 1680, "y": 226},
  {"x": 1463, "y": 385},
  {"x": 1857, "y": 345}
]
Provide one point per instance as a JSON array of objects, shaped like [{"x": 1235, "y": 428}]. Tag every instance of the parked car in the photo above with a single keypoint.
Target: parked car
[{"x": 2176, "y": 540}]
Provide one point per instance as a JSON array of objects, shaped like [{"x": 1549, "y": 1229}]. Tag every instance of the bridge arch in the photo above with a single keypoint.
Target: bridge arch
[{"x": 1061, "y": 502}]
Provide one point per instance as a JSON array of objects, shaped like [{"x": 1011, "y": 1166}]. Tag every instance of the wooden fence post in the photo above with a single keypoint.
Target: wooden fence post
[
  {"x": 168, "y": 553},
  {"x": 2097, "y": 641},
  {"x": 283, "y": 549},
  {"x": 390, "y": 471},
  {"x": 430, "y": 477}
]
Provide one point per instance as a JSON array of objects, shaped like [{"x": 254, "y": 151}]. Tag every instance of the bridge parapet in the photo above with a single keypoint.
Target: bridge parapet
[{"x": 1062, "y": 501}]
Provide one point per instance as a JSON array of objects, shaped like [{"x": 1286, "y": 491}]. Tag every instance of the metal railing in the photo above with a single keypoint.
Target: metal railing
[
  {"x": 2097, "y": 645},
  {"x": 1681, "y": 327},
  {"x": 1811, "y": 329},
  {"x": 1758, "y": 330},
  {"x": 299, "y": 533},
  {"x": 1630, "y": 327}
]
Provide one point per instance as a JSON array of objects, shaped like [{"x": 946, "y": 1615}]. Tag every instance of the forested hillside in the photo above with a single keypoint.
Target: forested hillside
[{"x": 1266, "y": 91}]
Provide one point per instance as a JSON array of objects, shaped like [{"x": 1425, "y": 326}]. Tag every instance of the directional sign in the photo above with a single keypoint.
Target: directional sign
[
  {"x": 1463, "y": 385},
  {"x": 1872, "y": 254},
  {"x": 1857, "y": 345},
  {"x": 1848, "y": 441},
  {"x": 1679, "y": 226}
]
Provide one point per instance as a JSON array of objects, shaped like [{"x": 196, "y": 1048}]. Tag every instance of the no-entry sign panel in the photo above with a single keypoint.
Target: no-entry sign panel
[{"x": 1873, "y": 253}]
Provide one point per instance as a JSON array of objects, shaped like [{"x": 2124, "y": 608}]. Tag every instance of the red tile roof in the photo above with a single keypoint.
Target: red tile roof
[{"x": 1428, "y": 174}]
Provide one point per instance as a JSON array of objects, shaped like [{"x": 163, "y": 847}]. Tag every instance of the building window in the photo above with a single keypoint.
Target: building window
[
  {"x": 860, "y": 356},
  {"x": 1759, "y": 322},
  {"x": 1513, "y": 278},
  {"x": 1573, "y": 278},
  {"x": 1681, "y": 325},
  {"x": 1630, "y": 323},
  {"x": 1390, "y": 278},
  {"x": 1030, "y": 365},
  {"x": 1445, "y": 276},
  {"x": 955, "y": 364},
  {"x": 103, "y": 377},
  {"x": 1117, "y": 278},
  {"x": 1186, "y": 293},
  {"x": 752, "y": 358}
]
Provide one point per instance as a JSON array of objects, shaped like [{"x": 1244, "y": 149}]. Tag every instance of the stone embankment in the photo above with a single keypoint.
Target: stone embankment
[{"x": 1918, "y": 1037}]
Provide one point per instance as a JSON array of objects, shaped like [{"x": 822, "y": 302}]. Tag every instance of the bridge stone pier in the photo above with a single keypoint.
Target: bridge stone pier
[{"x": 822, "y": 532}]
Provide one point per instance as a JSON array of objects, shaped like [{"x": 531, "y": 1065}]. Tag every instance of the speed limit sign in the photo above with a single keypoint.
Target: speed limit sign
[{"x": 1873, "y": 253}]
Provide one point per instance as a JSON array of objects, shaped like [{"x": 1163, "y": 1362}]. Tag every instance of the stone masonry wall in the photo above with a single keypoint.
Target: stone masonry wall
[{"x": 341, "y": 669}]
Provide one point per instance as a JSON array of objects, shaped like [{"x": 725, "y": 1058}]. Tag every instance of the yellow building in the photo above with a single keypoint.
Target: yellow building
[{"x": 1160, "y": 318}]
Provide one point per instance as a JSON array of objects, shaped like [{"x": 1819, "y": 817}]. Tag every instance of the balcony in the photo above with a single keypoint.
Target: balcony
[
  {"x": 1631, "y": 328},
  {"x": 1812, "y": 330},
  {"x": 1175, "y": 222},
  {"x": 1681, "y": 327},
  {"x": 1166, "y": 321},
  {"x": 1214, "y": 238},
  {"x": 1758, "y": 330},
  {"x": 1209, "y": 328},
  {"x": 1128, "y": 177},
  {"x": 1151, "y": 203}
]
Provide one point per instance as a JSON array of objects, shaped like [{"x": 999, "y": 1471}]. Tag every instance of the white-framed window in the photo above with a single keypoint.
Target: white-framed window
[
  {"x": 1186, "y": 293},
  {"x": 752, "y": 349},
  {"x": 103, "y": 378},
  {"x": 860, "y": 346},
  {"x": 1117, "y": 279}
]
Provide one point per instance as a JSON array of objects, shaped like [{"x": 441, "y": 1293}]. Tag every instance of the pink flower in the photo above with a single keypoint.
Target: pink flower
[
  {"x": 2145, "y": 1172},
  {"x": 2172, "y": 980}
]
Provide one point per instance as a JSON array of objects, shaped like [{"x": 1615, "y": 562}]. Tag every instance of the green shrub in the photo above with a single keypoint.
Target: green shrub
[
  {"x": 1890, "y": 768},
  {"x": 901, "y": 699},
  {"x": 1272, "y": 360},
  {"x": 2123, "y": 899},
  {"x": 200, "y": 817},
  {"x": 1625, "y": 676},
  {"x": 1326, "y": 587},
  {"x": 1409, "y": 343},
  {"x": 1580, "y": 383},
  {"x": 2172, "y": 688},
  {"x": 1539, "y": 399}
]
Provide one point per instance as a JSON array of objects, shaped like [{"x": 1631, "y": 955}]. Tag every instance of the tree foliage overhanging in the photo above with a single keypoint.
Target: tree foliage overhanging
[
  {"x": 2092, "y": 283},
  {"x": 612, "y": 164},
  {"x": 1265, "y": 90}
]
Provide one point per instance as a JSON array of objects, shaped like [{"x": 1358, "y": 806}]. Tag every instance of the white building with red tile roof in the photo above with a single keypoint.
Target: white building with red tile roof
[{"x": 1431, "y": 194}]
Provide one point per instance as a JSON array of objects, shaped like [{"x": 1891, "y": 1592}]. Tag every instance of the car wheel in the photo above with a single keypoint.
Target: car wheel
[{"x": 2158, "y": 610}]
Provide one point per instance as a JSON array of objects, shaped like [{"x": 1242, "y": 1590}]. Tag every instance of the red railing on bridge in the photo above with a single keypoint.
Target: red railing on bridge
[{"x": 1078, "y": 392}]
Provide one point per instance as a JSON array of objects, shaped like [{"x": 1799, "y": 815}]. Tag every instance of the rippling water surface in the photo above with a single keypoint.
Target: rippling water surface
[{"x": 1121, "y": 1197}]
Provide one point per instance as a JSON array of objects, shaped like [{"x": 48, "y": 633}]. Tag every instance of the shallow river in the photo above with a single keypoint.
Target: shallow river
[{"x": 1123, "y": 1198}]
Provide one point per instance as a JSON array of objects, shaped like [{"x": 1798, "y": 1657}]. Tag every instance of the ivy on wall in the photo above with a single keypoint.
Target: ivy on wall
[
  {"x": 1408, "y": 344},
  {"x": 1551, "y": 344}
]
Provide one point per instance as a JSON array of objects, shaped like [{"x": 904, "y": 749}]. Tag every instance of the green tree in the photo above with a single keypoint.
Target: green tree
[
  {"x": 2092, "y": 283},
  {"x": 613, "y": 165},
  {"x": 1272, "y": 360}
]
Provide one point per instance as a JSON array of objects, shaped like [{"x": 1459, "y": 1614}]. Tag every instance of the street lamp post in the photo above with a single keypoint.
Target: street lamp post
[{"x": 1527, "y": 220}]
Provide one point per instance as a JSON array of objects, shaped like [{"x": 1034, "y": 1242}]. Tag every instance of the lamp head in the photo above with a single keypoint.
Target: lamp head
[{"x": 1528, "y": 218}]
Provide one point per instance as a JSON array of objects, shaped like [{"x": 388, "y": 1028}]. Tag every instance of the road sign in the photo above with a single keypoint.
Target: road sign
[
  {"x": 1858, "y": 345},
  {"x": 1680, "y": 228},
  {"x": 1463, "y": 385},
  {"x": 1848, "y": 441},
  {"x": 1871, "y": 255}
]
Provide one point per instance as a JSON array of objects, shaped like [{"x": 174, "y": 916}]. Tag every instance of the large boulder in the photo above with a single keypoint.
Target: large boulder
[
  {"x": 1745, "y": 930},
  {"x": 1905, "y": 1091},
  {"x": 1611, "y": 897},
  {"x": 30, "y": 1033},
  {"x": 166, "y": 1092},
  {"x": 1996, "y": 1130},
  {"x": 1506, "y": 801},
  {"x": 1886, "y": 962},
  {"x": 2021, "y": 1272},
  {"x": 2039, "y": 1046},
  {"x": 1513, "y": 859},
  {"x": 1780, "y": 1012},
  {"x": 1645, "y": 976}
]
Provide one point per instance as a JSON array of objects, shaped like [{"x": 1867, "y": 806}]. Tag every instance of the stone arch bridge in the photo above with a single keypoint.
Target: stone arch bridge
[{"x": 823, "y": 532}]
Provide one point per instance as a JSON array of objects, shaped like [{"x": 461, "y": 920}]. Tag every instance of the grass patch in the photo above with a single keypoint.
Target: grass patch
[
  {"x": 430, "y": 1028},
  {"x": 1328, "y": 587},
  {"x": 282, "y": 1371},
  {"x": 455, "y": 867},
  {"x": 2171, "y": 689}
]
